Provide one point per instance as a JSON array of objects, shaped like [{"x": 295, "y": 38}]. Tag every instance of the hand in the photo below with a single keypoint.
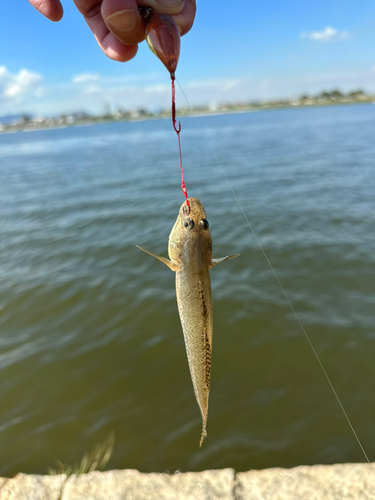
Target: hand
[{"x": 117, "y": 25}]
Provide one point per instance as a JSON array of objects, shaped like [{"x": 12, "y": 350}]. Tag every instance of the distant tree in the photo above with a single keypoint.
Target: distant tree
[
  {"x": 25, "y": 119},
  {"x": 143, "y": 112},
  {"x": 355, "y": 94},
  {"x": 336, "y": 94}
]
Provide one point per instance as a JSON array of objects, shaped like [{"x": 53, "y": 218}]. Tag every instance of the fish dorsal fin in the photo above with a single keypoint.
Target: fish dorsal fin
[
  {"x": 214, "y": 262},
  {"x": 169, "y": 263}
]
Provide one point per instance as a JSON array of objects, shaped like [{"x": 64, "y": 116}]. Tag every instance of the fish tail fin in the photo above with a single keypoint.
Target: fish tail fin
[{"x": 204, "y": 433}]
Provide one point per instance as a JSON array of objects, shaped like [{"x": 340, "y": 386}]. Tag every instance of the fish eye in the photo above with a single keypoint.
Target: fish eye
[
  {"x": 203, "y": 224},
  {"x": 189, "y": 223}
]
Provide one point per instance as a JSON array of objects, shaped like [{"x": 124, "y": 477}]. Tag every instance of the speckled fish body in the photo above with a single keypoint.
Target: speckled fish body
[{"x": 190, "y": 253}]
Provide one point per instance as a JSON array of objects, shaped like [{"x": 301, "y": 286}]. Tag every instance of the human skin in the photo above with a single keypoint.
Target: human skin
[{"x": 117, "y": 24}]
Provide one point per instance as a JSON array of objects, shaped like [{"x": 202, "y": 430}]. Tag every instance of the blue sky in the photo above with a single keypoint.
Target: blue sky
[{"x": 252, "y": 50}]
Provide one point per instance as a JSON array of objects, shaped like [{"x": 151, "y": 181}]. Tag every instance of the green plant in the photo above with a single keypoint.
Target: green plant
[{"x": 96, "y": 459}]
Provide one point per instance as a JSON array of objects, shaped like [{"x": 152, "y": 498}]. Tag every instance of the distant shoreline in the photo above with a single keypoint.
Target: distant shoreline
[{"x": 89, "y": 121}]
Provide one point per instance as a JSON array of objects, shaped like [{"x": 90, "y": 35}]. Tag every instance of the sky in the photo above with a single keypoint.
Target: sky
[{"x": 236, "y": 51}]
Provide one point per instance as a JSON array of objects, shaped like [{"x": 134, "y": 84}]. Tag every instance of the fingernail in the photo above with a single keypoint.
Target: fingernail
[
  {"x": 171, "y": 3},
  {"x": 123, "y": 20}
]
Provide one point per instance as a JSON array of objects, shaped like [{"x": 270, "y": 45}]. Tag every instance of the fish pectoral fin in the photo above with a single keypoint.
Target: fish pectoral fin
[
  {"x": 214, "y": 262},
  {"x": 169, "y": 263}
]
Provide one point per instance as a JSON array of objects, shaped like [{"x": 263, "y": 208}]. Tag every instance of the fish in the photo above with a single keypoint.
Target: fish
[{"x": 190, "y": 257}]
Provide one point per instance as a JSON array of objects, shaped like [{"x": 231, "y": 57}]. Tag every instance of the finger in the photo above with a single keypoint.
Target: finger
[
  {"x": 185, "y": 18},
  {"x": 109, "y": 44},
  {"x": 164, "y": 6},
  {"x": 112, "y": 48},
  {"x": 51, "y": 9},
  {"x": 116, "y": 50},
  {"x": 124, "y": 21}
]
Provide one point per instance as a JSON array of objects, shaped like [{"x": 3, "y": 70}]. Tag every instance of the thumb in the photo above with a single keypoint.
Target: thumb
[{"x": 124, "y": 21}]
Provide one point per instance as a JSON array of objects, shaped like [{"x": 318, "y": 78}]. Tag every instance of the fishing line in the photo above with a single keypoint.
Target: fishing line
[
  {"x": 282, "y": 288},
  {"x": 178, "y": 130},
  {"x": 163, "y": 39}
]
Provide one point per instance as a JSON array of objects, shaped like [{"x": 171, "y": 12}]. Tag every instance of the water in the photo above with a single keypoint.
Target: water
[{"x": 90, "y": 340}]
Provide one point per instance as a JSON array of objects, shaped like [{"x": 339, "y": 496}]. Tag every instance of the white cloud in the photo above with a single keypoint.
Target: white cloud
[
  {"x": 158, "y": 88},
  {"x": 14, "y": 87},
  {"x": 86, "y": 78},
  {"x": 329, "y": 34},
  {"x": 92, "y": 88}
]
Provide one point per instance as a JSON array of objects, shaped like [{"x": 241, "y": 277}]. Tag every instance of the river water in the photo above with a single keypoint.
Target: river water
[{"x": 90, "y": 339}]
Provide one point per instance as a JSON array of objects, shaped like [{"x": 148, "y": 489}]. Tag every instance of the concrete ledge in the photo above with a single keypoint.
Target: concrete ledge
[
  {"x": 133, "y": 485},
  {"x": 32, "y": 487},
  {"x": 318, "y": 482}
]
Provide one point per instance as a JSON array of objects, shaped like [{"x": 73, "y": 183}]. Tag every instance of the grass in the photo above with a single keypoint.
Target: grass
[{"x": 96, "y": 459}]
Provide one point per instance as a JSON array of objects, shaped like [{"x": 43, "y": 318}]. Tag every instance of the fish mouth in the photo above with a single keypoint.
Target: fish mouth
[{"x": 194, "y": 209}]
